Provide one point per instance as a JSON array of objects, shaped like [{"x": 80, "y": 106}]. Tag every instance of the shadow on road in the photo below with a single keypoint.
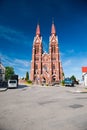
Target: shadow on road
[
  {"x": 5, "y": 88},
  {"x": 22, "y": 86}
]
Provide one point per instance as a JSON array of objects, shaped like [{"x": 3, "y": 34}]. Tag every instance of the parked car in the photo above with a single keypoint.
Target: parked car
[
  {"x": 68, "y": 82},
  {"x": 3, "y": 84},
  {"x": 12, "y": 84}
]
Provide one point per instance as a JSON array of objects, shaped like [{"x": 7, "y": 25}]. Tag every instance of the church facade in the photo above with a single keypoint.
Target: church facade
[{"x": 46, "y": 67}]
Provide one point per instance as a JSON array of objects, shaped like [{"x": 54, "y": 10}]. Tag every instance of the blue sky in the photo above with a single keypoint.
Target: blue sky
[{"x": 18, "y": 21}]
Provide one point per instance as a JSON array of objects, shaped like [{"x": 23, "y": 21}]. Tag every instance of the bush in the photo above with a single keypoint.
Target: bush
[
  {"x": 46, "y": 84},
  {"x": 62, "y": 82},
  {"x": 29, "y": 81}
]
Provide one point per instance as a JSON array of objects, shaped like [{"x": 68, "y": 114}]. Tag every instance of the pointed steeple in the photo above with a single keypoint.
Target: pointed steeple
[
  {"x": 38, "y": 30},
  {"x": 53, "y": 30}
]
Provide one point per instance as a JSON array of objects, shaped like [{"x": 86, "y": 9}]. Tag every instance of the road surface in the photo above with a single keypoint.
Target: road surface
[{"x": 43, "y": 108}]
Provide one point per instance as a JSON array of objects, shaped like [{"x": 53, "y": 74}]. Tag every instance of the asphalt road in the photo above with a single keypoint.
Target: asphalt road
[{"x": 43, "y": 108}]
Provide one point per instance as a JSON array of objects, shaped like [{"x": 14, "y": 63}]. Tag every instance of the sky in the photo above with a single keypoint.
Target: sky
[{"x": 18, "y": 21}]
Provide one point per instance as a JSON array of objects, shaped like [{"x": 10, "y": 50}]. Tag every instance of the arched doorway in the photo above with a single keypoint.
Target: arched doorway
[
  {"x": 54, "y": 78},
  {"x": 43, "y": 80}
]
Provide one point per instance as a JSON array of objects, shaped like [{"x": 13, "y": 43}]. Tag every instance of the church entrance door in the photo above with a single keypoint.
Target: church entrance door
[{"x": 44, "y": 80}]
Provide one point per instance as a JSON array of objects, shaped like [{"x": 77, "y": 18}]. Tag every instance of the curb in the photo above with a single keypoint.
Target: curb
[
  {"x": 78, "y": 91},
  {"x": 3, "y": 89}
]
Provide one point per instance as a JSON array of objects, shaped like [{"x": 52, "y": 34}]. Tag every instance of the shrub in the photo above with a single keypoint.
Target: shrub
[
  {"x": 62, "y": 82},
  {"x": 29, "y": 81},
  {"x": 46, "y": 84}
]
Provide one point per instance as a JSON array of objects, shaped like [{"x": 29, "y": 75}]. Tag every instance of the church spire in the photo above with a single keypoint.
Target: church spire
[
  {"x": 53, "y": 30},
  {"x": 38, "y": 30}
]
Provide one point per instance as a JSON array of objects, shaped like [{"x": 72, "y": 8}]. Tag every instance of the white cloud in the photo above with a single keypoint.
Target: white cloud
[
  {"x": 62, "y": 53},
  {"x": 20, "y": 66},
  {"x": 67, "y": 63},
  {"x": 13, "y": 36},
  {"x": 70, "y": 51},
  {"x": 72, "y": 66},
  {"x": 24, "y": 63}
]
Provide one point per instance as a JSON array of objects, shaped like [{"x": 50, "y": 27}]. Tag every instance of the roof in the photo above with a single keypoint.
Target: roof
[
  {"x": 84, "y": 69},
  {"x": 53, "y": 30},
  {"x": 38, "y": 29}
]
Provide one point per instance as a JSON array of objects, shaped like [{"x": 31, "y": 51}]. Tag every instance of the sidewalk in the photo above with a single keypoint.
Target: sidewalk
[
  {"x": 80, "y": 89},
  {"x": 3, "y": 89}
]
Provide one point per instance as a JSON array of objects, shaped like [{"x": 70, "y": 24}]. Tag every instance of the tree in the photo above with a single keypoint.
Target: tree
[
  {"x": 73, "y": 78},
  {"x": 27, "y": 76},
  {"x": 63, "y": 75},
  {"x": 9, "y": 71}
]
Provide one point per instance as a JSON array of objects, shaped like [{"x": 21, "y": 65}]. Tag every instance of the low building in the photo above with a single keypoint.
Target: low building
[
  {"x": 84, "y": 75},
  {"x": 2, "y": 72}
]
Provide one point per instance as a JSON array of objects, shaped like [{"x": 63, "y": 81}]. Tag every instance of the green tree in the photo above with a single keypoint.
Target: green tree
[
  {"x": 9, "y": 71},
  {"x": 63, "y": 74},
  {"x": 73, "y": 78},
  {"x": 27, "y": 76}
]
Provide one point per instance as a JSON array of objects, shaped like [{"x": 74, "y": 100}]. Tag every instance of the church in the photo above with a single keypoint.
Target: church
[{"x": 46, "y": 67}]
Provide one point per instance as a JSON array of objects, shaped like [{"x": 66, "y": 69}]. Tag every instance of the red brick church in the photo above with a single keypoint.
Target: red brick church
[{"x": 46, "y": 67}]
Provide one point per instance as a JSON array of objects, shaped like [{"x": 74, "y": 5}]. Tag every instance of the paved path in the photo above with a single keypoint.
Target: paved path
[{"x": 43, "y": 108}]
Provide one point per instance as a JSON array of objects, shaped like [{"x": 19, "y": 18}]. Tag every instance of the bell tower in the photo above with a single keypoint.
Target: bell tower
[
  {"x": 36, "y": 57},
  {"x": 54, "y": 55}
]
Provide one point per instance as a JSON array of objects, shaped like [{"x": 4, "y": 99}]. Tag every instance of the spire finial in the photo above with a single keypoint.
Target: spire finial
[
  {"x": 38, "y": 29},
  {"x": 52, "y": 20}
]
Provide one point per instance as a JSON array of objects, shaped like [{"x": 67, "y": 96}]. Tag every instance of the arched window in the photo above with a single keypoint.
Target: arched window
[
  {"x": 36, "y": 66},
  {"x": 53, "y": 49},
  {"x": 53, "y": 58},
  {"x": 36, "y": 69},
  {"x": 36, "y": 58},
  {"x": 36, "y": 49},
  {"x": 53, "y": 67}
]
